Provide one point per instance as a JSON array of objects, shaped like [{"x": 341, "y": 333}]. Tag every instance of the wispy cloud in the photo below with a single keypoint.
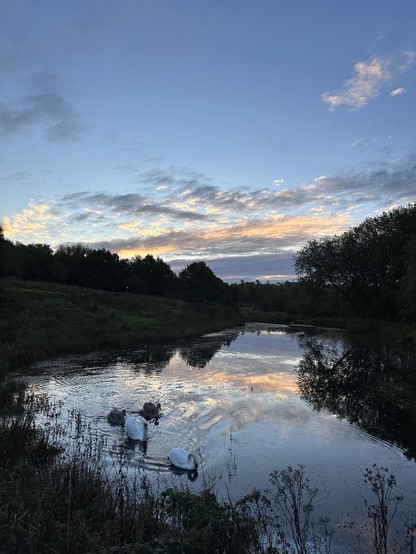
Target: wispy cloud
[
  {"x": 54, "y": 112},
  {"x": 128, "y": 205},
  {"x": 397, "y": 91},
  {"x": 369, "y": 78},
  {"x": 47, "y": 106}
]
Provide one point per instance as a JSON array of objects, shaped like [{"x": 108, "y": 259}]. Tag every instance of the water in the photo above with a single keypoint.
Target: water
[{"x": 249, "y": 401}]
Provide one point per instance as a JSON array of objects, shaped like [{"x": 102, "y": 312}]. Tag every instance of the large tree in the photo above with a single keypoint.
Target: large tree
[
  {"x": 200, "y": 283},
  {"x": 366, "y": 263},
  {"x": 150, "y": 275}
]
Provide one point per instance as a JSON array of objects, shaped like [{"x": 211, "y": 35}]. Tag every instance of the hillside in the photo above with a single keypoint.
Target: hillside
[{"x": 41, "y": 320}]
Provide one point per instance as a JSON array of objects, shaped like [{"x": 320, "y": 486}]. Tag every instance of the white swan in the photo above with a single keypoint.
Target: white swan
[
  {"x": 179, "y": 457},
  {"x": 136, "y": 428},
  {"x": 150, "y": 410},
  {"x": 117, "y": 417}
]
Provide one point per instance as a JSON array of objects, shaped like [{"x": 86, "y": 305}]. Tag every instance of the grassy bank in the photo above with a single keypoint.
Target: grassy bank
[{"x": 41, "y": 320}]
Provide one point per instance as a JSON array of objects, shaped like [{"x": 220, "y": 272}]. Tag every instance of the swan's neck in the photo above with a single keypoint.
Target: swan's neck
[
  {"x": 192, "y": 459},
  {"x": 144, "y": 432}
]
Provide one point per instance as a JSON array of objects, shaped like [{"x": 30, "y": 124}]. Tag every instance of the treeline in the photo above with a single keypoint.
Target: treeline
[
  {"x": 101, "y": 269},
  {"x": 288, "y": 301},
  {"x": 368, "y": 272}
]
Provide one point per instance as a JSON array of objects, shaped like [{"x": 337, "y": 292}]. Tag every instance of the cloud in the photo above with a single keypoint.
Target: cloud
[
  {"x": 37, "y": 220},
  {"x": 46, "y": 106},
  {"x": 397, "y": 91},
  {"x": 184, "y": 216},
  {"x": 264, "y": 267},
  {"x": 51, "y": 110},
  {"x": 385, "y": 184},
  {"x": 369, "y": 78},
  {"x": 241, "y": 238},
  {"x": 132, "y": 204}
]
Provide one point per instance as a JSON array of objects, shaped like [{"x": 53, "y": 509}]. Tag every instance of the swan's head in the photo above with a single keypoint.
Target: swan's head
[
  {"x": 191, "y": 456},
  {"x": 192, "y": 474}
]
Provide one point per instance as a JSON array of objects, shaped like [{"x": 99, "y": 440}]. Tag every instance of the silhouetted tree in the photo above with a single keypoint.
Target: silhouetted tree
[
  {"x": 407, "y": 293},
  {"x": 198, "y": 282},
  {"x": 38, "y": 262},
  {"x": 150, "y": 275},
  {"x": 74, "y": 259},
  {"x": 104, "y": 270},
  {"x": 11, "y": 261},
  {"x": 365, "y": 264}
]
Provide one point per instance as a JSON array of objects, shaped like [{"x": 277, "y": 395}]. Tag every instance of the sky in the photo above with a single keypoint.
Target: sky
[{"x": 228, "y": 131}]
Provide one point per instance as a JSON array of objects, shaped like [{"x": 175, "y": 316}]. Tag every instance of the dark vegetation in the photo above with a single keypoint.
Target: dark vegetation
[{"x": 78, "y": 299}]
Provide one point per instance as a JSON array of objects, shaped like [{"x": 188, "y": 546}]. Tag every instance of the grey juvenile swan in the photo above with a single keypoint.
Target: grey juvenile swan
[
  {"x": 150, "y": 410},
  {"x": 117, "y": 417}
]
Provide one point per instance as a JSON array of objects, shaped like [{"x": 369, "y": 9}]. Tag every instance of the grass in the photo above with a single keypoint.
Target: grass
[{"x": 39, "y": 321}]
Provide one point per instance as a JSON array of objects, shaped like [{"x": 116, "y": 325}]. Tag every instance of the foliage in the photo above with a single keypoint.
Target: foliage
[
  {"x": 288, "y": 301},
  {"x": 367, "y": 264},
  {"x": 86, "y": 267},
  {"x": 199, "y": 283},
  {"x": 407, "y": 293},
  {"x": 150, "y": 276},
  {"x": 382, "y": 485},
  {"x": 294, "y": 496}
]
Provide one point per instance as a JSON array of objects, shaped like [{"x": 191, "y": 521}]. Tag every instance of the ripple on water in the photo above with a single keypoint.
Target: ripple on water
[{"x": 241, "y": 414}]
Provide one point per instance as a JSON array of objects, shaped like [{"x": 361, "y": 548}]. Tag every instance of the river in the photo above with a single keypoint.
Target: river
[{"x": 252, "y": 400}]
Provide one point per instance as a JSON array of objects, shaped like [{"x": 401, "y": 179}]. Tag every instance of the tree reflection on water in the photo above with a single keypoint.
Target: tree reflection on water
[
  {"x": 194, "y": 352},
  {"x": 371, "y": 386},
  {"x": 199, "y": 353}
]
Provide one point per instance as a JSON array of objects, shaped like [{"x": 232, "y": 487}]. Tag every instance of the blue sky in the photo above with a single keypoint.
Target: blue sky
[{"x": 228, "y": 131}]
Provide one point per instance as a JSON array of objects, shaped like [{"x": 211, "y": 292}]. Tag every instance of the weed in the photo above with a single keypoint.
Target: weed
[{"x": 381, "y": 513}]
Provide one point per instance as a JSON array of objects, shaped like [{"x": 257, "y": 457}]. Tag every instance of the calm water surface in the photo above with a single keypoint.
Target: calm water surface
[{"x": 248, "y": 401}]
